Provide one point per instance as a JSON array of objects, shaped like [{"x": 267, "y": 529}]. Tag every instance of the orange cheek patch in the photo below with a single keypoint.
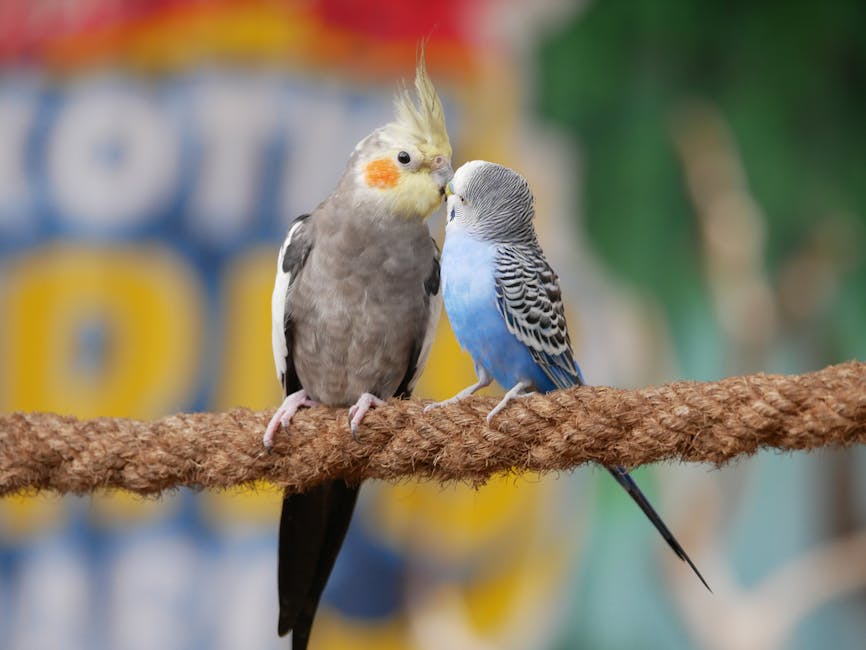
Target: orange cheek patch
[{"x": 382, "y": 173}]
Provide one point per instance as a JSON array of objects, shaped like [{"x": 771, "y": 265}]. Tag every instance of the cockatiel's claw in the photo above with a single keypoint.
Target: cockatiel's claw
[
  {"x": 359, "y": 409},
  {"x": 284, "y": 414}
]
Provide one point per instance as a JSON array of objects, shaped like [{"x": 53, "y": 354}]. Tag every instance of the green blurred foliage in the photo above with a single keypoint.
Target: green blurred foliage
[{"x": 789, "y": 79}]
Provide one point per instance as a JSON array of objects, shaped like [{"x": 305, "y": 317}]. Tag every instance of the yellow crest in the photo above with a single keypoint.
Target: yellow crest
[{"x": 422, "y": 117}]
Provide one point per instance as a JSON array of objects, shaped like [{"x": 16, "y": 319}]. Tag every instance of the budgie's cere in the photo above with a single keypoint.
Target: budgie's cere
[
  {"x": 503, "y": 299},
  {"x": 355, "y": 303}
]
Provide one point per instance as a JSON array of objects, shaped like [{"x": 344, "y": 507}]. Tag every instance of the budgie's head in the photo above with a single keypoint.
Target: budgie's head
[
  {"x": 401, "y": 169},
  {"x": 492, "y": 202}
]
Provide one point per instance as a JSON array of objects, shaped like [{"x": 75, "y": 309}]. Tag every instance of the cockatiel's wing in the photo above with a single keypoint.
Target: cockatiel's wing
[
  {"x": 313, "y": 524},
  {"x": 529, "y": 299},
  {"x": 290, "y": 261},
  {"x": 421, "y": 349},
  {"x": 292, "y": 257}
]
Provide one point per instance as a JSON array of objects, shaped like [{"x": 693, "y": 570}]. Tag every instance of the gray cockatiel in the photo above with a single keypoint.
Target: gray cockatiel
[{"x": 355, "y": 304}]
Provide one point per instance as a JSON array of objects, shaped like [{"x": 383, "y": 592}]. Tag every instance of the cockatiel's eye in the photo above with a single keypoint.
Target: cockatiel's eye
[{"x": 404, "y": 158}]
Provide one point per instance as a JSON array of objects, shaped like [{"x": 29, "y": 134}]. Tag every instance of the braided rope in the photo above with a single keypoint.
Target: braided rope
[{"x": 710, "y": 422}]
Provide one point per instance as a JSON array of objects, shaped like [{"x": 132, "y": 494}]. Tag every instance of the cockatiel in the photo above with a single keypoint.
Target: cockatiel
[
  {"x": 355, "y": 304},
  {"x": 504, "y": 303}
]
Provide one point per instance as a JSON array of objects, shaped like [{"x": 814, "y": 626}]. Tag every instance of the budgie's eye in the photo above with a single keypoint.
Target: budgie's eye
[{"x": 404, "y": 158}]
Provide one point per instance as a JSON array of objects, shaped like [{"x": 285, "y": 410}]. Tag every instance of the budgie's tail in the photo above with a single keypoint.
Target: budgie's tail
[{"x": 626, "y": 481}]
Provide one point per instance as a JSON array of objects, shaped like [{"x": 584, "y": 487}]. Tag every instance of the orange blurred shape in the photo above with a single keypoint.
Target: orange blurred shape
[{"x": 375, "y": 37}]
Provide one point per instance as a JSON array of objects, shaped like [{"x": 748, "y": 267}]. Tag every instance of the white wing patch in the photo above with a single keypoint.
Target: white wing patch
[{"x": 278, "y": 305}]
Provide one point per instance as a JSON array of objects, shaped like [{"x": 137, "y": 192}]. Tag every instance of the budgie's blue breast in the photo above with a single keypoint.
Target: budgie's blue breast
[{"x": 469, "y": 293}]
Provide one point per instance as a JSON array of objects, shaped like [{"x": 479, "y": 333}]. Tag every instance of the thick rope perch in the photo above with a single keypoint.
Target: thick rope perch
[{"x": 689, "y": 421}]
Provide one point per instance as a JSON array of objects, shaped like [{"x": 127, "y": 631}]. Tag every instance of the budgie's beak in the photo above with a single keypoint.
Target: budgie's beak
[{"x": 449, "y": 189}]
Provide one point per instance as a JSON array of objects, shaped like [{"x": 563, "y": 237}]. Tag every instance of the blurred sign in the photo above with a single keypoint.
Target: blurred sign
[
  {"x": 131, "y": 211},
  {"x": 150, "y": 163}
]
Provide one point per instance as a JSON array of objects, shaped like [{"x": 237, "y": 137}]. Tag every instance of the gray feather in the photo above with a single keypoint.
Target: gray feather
[{"x": 358, "y": 309}]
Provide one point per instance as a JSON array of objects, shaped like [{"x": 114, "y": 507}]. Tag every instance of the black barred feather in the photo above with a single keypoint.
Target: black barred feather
[{"x": 529, "y": 299}]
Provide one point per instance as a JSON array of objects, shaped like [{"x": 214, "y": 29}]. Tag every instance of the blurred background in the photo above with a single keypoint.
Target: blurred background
[{"x": 700, "y": 172}]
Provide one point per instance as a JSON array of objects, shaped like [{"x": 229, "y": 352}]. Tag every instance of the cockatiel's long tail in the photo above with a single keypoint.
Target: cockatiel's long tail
[
  {"x": 312, "y": 528},
  {"x": 354, "y": 309},
  {"x": 504, "y": 302}
]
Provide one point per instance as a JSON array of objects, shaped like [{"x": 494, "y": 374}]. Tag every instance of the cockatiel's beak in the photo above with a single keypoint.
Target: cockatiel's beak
[{"x": 441, "y": 171}]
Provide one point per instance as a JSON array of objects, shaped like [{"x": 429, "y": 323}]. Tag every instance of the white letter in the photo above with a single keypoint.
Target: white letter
[
  {"x": 16, "y": 118},
  {"x": 235, "y": 117},
  {"x": 113, "y": 159}
]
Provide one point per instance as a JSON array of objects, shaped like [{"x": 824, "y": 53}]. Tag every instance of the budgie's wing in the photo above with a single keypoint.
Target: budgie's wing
[{"x": 529, "y": 299}]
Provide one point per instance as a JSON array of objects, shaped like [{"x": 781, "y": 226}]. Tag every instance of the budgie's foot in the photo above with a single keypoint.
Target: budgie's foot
[
  {"x": 483, "y": 380},
  {"x": 463, "y": 394},
  {"x": 516, "y": 391},
  {"x": 359, "y": 409},
  {"x": 284, "y": 415},
  {"x": 435, "y": 405}
]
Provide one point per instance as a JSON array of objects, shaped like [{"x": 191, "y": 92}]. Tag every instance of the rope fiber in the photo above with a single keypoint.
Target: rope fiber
[{"x": 710, "y": 422}]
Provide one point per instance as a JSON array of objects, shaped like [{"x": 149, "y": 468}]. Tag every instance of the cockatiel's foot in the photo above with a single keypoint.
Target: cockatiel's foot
[
  {"x": 359, "y": 409},
  {"x": 284, "y": 415},
  {"x": 515, "y": 392}
]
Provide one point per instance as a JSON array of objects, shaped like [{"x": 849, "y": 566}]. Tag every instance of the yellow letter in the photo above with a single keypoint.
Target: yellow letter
[{"x": 99, "y": 331}]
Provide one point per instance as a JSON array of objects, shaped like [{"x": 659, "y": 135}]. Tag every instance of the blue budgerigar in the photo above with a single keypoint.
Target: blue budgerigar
[{"x": 504, "y": 302}]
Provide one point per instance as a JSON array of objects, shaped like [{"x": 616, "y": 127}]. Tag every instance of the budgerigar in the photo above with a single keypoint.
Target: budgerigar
[
  {"x": 503, "y": 299},
  {"x": 355, "y": 304}
]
